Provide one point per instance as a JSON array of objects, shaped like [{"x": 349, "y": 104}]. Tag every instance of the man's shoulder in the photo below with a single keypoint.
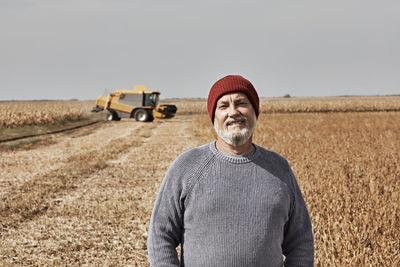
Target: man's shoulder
[
  {"x": 193, "y": 157},
  {"x": 274, "y": 162},
  {"x": 188, "y": 165},
  {"x": 271, "y": 155}
]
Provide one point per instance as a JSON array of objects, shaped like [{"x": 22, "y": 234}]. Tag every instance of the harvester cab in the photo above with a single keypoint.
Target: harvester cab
[{"x": 137, "y": 103}]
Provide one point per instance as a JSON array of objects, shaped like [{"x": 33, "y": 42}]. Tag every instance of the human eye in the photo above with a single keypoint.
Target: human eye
[
  {"x": 241, "y": 103},
  {"x": 222, "y": 105}
]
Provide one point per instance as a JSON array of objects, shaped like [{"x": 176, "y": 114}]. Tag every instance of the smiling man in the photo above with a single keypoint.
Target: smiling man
[{"x": 231, "y": 202}]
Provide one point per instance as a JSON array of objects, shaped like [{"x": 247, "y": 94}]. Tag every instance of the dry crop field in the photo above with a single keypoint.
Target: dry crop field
[
  {"x": 26, "y": 113},
  {"x": 85, "y": 197},
  {"x": 298, "y": 104},
  {"x": 17, "y": 114}
]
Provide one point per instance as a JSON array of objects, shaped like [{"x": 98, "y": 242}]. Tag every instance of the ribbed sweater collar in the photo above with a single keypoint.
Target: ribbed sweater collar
[{"x": 237, "y": 159}]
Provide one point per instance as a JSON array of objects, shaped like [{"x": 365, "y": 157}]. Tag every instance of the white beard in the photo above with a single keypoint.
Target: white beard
[{"x": 236, "y": 136}]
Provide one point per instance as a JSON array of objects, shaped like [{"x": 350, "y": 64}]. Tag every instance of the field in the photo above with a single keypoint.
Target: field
[
  {"x": 17, "y": 114},
  {"x": 84, "y": 197}
]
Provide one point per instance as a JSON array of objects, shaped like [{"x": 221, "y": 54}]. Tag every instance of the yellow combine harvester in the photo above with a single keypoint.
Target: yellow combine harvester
[{"x": 137, "y": 103}]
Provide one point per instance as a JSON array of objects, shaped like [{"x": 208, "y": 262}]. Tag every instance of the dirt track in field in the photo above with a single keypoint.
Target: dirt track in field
[{"x": 85, "y": 197}]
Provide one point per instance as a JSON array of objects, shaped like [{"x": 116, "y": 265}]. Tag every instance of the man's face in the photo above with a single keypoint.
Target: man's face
[{"x": 234, "y": 118}]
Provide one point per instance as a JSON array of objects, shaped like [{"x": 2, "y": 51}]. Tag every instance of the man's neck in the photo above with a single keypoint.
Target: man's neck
[{"x": 244, "y": 149}]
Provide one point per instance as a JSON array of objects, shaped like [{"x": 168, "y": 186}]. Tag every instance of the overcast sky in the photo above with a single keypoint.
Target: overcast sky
[{"x": 53, "y": 49}]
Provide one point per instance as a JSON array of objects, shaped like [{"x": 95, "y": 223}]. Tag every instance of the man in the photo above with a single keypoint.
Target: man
[{"x": 231, "y": 202}]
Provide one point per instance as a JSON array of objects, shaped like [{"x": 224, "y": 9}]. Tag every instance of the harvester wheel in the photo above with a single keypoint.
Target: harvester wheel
[
  {"x": 112, "y": 116},
  {"x": 141, "y": 115},
  {"x": 109, "y": 117}
]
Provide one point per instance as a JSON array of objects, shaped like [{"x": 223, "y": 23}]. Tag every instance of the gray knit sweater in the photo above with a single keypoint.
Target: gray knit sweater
[{"x": 228, "y": 210}]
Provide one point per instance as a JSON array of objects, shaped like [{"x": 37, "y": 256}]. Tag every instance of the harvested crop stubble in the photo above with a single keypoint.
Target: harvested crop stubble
[
  {"x": 83, "y": 211},
  {"x": 93, "y": 206},
  {"x": 347, "y": 165},
  {"x": 17, "y": 114}
]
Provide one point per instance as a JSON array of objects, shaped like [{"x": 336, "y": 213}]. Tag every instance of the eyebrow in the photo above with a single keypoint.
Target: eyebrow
[{"x": 241, "y": 98}]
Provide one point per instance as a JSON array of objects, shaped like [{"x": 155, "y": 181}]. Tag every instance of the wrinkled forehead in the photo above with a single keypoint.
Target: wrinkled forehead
[{"x": 233, "y": 97}]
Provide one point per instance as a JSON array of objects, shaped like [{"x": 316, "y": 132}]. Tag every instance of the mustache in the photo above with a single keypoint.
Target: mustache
[{"x": 239, "y": 118}]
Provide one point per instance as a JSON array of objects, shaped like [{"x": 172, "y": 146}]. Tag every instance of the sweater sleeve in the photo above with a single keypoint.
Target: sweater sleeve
[
  {"x": 298, "y": 243},
  {"x": 166, "y": 224}
]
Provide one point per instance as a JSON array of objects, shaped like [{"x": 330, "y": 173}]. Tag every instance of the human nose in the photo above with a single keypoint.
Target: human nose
[{"x": 232, "y": 111}]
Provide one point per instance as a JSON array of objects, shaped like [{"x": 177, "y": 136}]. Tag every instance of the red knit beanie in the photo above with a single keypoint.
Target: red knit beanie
[{"x": 231, "y": 84}]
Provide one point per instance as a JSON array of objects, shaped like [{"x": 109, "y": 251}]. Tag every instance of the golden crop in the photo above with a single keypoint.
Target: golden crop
[
  {"x": 17, "y": 114},
  {"x": 298, "y": 104}
]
